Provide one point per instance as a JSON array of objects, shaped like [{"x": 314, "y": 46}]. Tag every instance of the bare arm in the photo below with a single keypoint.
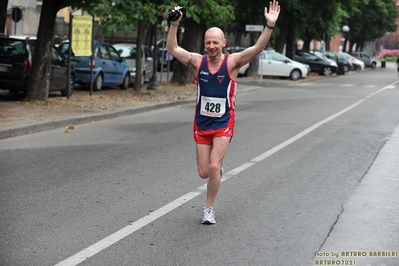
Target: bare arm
[
  {"x": 271, "y": 15},
  {"x": 192, "y": 60}
]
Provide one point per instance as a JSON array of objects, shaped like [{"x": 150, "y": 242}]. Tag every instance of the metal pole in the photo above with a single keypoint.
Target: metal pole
[
  {"x": 163, "y": 52},
  {"x": 154, "y": 85},
  {"x": 69, "y": 53},
  {"x": 92, "y": 55}
]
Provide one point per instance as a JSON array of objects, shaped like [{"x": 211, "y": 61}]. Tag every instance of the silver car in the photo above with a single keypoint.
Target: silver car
[
  {"x": 128, "y": 52},
  {"x": 369, "y": 61}
]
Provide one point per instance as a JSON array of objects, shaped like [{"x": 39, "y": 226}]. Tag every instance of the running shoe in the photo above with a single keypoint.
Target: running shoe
[{"x": 209, "y": 216}]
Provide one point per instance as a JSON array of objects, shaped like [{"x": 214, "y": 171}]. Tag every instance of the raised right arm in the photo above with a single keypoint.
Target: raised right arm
[{"x": 192, "y": 60}]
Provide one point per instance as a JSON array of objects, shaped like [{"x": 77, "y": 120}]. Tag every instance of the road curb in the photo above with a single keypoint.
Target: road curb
[{"x": 20, "y": 130}]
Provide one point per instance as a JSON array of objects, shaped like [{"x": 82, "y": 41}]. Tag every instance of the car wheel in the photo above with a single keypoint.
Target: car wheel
[
  {"x": 346, "y": 69},
  {"x": 373, "y": 65},
  {"x": 327, "y": 71},
  {"x": 98, "y": 83},
  {"x": 295, "y": 74},
  {"x": 71, "y": 86},
  {"x": 126, "y": 82}
]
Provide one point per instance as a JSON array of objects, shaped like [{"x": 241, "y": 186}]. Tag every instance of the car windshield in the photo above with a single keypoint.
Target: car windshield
[
  {"x": 262, "y": 56},
  {"x": 132, "y": 52},
  {"x": 126, "y": 51},
  {"x": 277, "y": 57},
  {"x": 63, "y": 47},
  {"x": 340, "y": 56},
  {"x": 322, "y": 56},
  {"x": 55, "y": 55},
  {"x": 345, "y": 56},
  {"x": 13, "y": 48},
  {"x": 310, "y": 57}
]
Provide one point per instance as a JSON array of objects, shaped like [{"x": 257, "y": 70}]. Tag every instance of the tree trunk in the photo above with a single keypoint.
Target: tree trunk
[
  {"x": 254, "y": 63},
  {"x": 291, "y": 42},
  {"x": 192, "y": 42},
  {"x": 150, "y": 35},
  {"x": 351, "y": 45},
  {"x": 3, "y": 15},
  {"x": 281, "y": 38},
  {"x": 139, "y": 44},
  {"x": 39, "y": 81},
  {"x": 327, "y": 40},
  {"x": 238, "y": 37}
]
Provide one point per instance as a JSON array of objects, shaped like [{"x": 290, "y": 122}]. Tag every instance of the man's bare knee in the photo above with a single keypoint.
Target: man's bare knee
[
  {"x": 204, "y": 174},
  {"x": 214, "y": 168}
]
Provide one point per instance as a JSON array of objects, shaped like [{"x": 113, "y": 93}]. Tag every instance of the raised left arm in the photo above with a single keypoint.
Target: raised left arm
[{"x": 271, "y": 15}]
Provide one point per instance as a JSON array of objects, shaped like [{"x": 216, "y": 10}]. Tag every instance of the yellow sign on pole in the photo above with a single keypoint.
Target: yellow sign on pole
[{"x": 81, "y": 35}]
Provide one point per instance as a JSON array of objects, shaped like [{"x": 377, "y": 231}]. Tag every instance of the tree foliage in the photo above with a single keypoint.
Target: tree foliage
[
  {"x": 371, "y": 21},
  {"x": 122, "y": 14}
]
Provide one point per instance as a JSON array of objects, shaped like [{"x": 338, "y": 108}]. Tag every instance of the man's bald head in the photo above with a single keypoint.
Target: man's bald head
[{"x": 215, "y": 31}]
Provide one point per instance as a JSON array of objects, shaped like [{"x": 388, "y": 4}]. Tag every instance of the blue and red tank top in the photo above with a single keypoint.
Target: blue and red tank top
[{"x": 216, "y": 95}]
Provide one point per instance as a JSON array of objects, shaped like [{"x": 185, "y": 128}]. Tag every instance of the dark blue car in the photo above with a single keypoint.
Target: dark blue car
[{"x": 109, "y": 69}]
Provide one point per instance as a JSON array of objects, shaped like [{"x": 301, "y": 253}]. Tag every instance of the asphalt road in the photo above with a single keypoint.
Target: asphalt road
[{"x": 311, "y": 171}]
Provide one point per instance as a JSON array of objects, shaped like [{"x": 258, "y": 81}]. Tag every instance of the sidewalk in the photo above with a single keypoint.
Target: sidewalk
[{"x": 367, "y": 230}]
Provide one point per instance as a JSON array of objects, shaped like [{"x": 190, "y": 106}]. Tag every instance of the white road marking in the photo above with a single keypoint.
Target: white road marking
[{"x": 133, "y": 227}]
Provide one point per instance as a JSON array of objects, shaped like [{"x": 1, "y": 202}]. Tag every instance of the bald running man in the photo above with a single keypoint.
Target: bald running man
[{"x": 214, "y": 119}]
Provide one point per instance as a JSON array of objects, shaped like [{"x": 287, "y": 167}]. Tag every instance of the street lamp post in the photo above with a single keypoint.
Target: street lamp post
[{"x": 345, "y": 30}]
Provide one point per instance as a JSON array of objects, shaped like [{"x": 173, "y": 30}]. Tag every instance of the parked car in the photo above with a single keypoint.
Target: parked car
[
  {"x": 272, "y": 63},
  {"x": 109, "y": 69},
  {"x": 359, "y": 65},
  {"x": 369, "y": 61},
  {"x": 341, "y": 61},
  {"x": 128, "y": 52},
  {"x": 317, "y": 64},
  {"x": 16, "y": 53},
  {"x": 334, "y": 63},
  {"x": 63, "y": 47},
  {"x": 235, "y": 49}
]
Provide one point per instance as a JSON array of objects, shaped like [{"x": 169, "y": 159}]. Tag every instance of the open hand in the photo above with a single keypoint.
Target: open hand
[{"x": 272, "y": 13}]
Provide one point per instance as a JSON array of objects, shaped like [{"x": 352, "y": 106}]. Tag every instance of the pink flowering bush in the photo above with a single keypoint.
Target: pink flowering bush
[{"x": 389, "y": 55}]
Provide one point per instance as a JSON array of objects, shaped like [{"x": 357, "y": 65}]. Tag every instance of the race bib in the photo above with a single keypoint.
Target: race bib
[{"x": 213, "y": 107}]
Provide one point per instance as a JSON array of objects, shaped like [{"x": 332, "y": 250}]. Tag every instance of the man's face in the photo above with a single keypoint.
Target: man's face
[{"x": 214, "y": 42}]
